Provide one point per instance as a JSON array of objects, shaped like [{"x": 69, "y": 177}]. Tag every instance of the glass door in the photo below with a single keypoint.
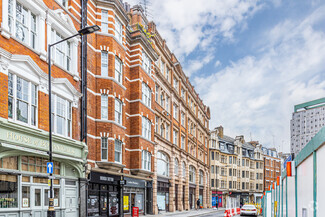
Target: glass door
[{"x": 37, "y": 203}]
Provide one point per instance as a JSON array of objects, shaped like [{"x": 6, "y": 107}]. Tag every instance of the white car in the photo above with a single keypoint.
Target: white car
[{"x": 248, "y": 210}]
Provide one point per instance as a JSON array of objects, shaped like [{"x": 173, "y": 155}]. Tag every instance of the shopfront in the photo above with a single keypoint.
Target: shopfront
[
  {"x": 191, "y": 196},
  {"x": 201, "y": 195},
  {"x": 134, "y": 195},
  {"x": 104, "y": 195},
  {"x": 24, "y": 189},
  {"x": 217, "y": 198},
  {"x": 163, "y": 195},
  {"x": 244, "y": 198}
]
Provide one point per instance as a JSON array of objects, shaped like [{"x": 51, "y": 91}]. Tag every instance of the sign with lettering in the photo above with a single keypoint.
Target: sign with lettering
[
  {"x": 104, "y": 178},
  {"x": 135, "y": 211}
]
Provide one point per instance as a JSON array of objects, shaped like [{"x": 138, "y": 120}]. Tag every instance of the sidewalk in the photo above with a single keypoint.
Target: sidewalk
[{"x": 191, "y": 213}]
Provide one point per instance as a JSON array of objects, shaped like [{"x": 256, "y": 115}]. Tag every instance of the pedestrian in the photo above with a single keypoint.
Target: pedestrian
[
  {"x": 198, "y": 204},
  {"x": 217, "y": 204}
]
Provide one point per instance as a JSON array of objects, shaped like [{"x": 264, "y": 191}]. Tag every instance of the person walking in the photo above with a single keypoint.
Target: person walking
[{"x": 198, "y": 202}]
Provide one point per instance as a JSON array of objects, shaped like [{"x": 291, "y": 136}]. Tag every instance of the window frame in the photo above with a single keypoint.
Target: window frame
[
  {"x": 119, "y": 152},
  {"x": 67, "y": 111},
  {"x": 104, "y": 21},
  {"x": 103, "y": 141},
  {"x": 146, "y": 160},
  {"x": 146, "y": 128},
  {"x": 146, "y": 95},
  {"x": 118, "y": 30},
  {"x": 104, "y": 63},
  {"x": 118, "y": 70},
  {"x": 104, "y": 106}
]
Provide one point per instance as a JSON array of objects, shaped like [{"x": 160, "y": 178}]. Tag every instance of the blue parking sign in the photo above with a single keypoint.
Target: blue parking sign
[{"x": 49, "y": 167}]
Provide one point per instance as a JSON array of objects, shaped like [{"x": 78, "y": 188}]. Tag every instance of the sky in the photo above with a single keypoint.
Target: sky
[{"x": 250, "y": 61}]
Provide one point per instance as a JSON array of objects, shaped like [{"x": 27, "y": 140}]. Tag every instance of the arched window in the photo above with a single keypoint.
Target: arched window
[
  {"x": 184, "y": 169},
  {"x": 192, "y": 174},
  {"x": 201, "y": 177},
  {"x": 162, "y": 164},
  {"x": 176, "y": 167}
]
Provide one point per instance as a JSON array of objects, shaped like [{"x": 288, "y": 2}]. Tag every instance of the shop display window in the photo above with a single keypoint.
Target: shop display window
[
  {"x": 36, "y": 164},
  {"x": 8, "y": 191}
]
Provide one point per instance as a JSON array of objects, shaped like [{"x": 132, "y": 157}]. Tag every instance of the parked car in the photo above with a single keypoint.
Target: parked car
[{"x": 248, "y": 210}]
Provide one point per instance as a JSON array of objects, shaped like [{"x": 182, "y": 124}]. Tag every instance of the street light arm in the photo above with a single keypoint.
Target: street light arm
[{"x": 58, "y": 42}]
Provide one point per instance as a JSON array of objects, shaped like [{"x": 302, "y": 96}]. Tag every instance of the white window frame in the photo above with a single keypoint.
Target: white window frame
[
  {"x": 183, "y": 119},
  {"x": 146, "y": 95},
  {"x": 64, "y": 49},
  {"x": 63, "y": 3},
  {"x": 176, "y": 168},
  {"x": 192, "y": 173},
  {"x": 175, "y": 112},
  {"x": 167, "y": 132},
  {"x": 104, "y": 146},
  {"x": 118, "y": 69},
  {"x": 184, "y": 169},
  {"x": 13, "y": 22},
  {"x": 146, "y": 160},
  {"x": 157, "y": 93},
  {"x": 68, "y": 112},
  {"x": 118, "y": 148},
  {"x": 118, "y": 111},
  {"x": 118, "y": 30},
  {"x": 175, "y": 137},
  {"x": 146, "y": 63},
  {"x": 156, "y": 124},
  {"x": 165, "y": 159},
  {"x": 104, "y": 106},
  {"x": 167, "y": 103},
  {"x": 104, "y": 63},
  {"x": 183, "y": 142},
  {"x": 12, "y": 94},
  {"x": 146, "y": 128},
  {"x": 104, "y": 21}
]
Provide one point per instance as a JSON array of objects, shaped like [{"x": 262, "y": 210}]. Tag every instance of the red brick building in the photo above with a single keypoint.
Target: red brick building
[
  {"x": 27, "y": 27},
  {"x": 272, "y": 167}
]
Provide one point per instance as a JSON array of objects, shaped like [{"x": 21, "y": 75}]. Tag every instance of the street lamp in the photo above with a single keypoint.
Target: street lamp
[{"x": 85, "y": 31}]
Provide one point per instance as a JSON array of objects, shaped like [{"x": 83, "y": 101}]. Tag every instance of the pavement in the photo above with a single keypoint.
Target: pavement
[{"x": 193, "y": 213}]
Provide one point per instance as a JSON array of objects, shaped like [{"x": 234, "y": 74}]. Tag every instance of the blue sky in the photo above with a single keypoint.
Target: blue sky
[{"x": 251, "y": 61}]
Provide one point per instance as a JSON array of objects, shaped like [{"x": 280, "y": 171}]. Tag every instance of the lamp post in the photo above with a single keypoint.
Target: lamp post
[{"x": 85, "y": 31}]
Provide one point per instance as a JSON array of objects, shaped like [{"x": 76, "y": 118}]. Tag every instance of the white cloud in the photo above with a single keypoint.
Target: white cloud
[
  {"x": 217, "y": 63},
  {"x": 256, "y": 94},
  {"x": 190, "y": 24}
]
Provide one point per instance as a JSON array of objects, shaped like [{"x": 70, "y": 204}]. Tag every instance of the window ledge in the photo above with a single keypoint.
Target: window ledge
[
  {"x": 141, "y": 172},
  {"x": 110, "y": 165}
]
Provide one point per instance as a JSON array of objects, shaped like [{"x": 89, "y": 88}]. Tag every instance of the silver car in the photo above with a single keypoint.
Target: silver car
[{"x": 248, "y": 210}]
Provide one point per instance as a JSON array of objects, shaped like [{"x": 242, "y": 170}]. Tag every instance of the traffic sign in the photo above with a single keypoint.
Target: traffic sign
[{"x": 49, "y": 167}]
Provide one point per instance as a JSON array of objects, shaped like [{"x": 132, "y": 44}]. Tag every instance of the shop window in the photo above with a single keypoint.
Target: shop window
[
  {"x": 36, "y": 164},
  {"x": 8, "y": 191},
  {"x": 25, "y": 196},
  {"x": 56, "y": 197},
  {"x": 22, "y": 23},
  {"x": 22, "y": 100},
  {"x": 9, "y": 163}
]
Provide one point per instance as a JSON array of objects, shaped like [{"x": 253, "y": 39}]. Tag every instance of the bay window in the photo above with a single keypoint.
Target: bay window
[
  {"x": 61, "y": 116},
  {"x": 146, "y": 128},
  {"x": 146, "y": 160},
  {"x": 104, "y": 21},
  {"x": 118, "y": 151},
  {"x": 22, "y": 100},
  {"x": 118, "y": 111},
  {"x": 146, "y": 94},
  {"x": 118, "y": 30},
  {"x": 22, "y": 23}
]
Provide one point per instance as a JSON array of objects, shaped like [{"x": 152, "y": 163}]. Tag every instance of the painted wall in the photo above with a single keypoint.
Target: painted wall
[
  {"x": 291, "y": 197},
  {"x": 320, "y": 181},
  {"x": 284, "y": 208},
  {"x": 305, "y": 187}
]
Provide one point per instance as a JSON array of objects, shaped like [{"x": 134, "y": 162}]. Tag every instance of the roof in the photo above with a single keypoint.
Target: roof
[
  {"x": 248, "y": 146},
  {"x": 310, "y": 104},
  {"x": 227, "y": 139}
]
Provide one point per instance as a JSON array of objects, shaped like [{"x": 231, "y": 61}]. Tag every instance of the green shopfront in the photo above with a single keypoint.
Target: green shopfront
[{"x": 24, "y": 189}]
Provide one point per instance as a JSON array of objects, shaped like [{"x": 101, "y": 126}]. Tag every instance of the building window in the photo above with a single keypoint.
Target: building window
[
  {"x": 212, "y": 169},
  {"x": 212, "y": 183},
  {"x": 157, "y": 93},
  {"x": 183, "y": 118},
  {"x": 118, "y": 111},
  {"x": 9, "y": 191},
  {"x": 104, "y": 21},
  {"x": 104, "y": 106},
  {"x": 146, "y": 160},
  {"x": 146, "y": 94},
  {"x": 201, "y": 178},
  {"x": 167, "y": 104},
  {"x": 104, "y": 63},
  {"x": 230, "y": 184},
  {"x": 146, "y": 128},
  {"x": 184, "y": 169},
  {"x": 230, "y": 159},
  {"x": 156, "y": 124},
  {"x": 146, "y": 64},
  {"x": 183, "y": 142},
  {"x": 118, "y": 70},
  {"x": 22, "y": 100},
  {"x": 192, "y": 174},
  {"x": 62, "y": 51},
  {"x": 162, "y": 100},
  {"x": 230, "y": 172},
  {"x": 167, "y": 132},
  {"x": 176, "y": 84},
  {"x": 162, "y": 130},
  {"x": 175, "y": 111},
  {"x": 104, "y": 148},
  {"x": 183, "y": 93},
  {"x": 64, "y": 3},
  {"x": 162, "y": 164},
  {"x": 118, "y": 30},
  {"x": 118, "y": 151},
  {"x": 175, "y": 137},
  {"x": 61, "y": 116},
  {"x": 22, "y": 23},
  {"x": 176, "y": 166},
  {"x": 167, "y": 74}
]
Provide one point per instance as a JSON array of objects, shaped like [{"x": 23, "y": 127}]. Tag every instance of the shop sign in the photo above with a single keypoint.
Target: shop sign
[
  {"x": 122, "y": 182},
  {"x": 35, "y": 142},
  {"x": 125, "y": 202},
  {"x": 103, "y": 178},
  {"x": 135, "y": 211},
  {"x": 130, "y": 182}
]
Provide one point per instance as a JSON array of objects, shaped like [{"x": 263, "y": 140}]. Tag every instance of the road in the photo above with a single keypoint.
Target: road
[{"x": 218, "y": 214}]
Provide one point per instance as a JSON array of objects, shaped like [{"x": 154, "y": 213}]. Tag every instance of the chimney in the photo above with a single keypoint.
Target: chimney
[{"x": 220, "y": 131}]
